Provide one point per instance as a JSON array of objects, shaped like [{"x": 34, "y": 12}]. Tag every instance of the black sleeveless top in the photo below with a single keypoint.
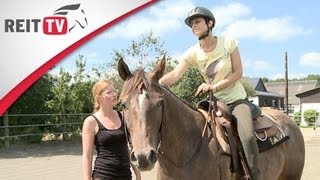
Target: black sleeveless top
[{"x": 112, "y": 161}]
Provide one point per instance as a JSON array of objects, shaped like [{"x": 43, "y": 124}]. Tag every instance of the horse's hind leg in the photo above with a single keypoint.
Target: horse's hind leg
[{"x": 295, "y": 156}]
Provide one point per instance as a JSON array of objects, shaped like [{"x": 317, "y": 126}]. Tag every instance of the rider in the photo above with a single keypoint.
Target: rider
[{"x": 218, "y": 60}]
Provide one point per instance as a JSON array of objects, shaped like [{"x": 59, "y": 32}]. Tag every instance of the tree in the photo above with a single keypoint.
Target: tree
[
  {"x": 310, "y": 115},
  {"x": 249, "y": 90},
  {"x": 32, "y": 101},
  {"x": 142, "y": 53},
  {"x": 72, "y": 95},
  {"x": 80, "y": 90},
  {"x": 188, "y": 85},
  {"x": 61, "y": 89}
]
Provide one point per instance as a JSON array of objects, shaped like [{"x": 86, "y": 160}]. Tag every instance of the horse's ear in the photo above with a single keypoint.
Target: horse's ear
[
  {"x": 159, "y": 69},
  {"x": 123, "y": 70}
]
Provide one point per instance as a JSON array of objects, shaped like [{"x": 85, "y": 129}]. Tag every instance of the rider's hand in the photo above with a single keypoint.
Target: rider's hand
[{"x": 205, "y": 87}]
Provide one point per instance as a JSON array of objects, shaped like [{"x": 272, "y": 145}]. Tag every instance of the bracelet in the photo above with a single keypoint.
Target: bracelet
[{"x": 217, "y": 87}]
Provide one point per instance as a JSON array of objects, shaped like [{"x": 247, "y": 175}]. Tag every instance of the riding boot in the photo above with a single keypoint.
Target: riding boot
[{"x": 246, "y": 133}]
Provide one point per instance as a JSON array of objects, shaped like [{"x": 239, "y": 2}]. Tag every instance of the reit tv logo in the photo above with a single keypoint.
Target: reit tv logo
[{"x": 63, "y": 21}]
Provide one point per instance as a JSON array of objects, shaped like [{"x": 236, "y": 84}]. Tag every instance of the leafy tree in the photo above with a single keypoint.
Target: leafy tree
[
  {"x": 188, "y": 85},
  {"x": 297, "y": 117},
  {"x": 312, "y": 77},
  {"x": 310, "y": 115},
  {"x": 265, "y": 80},
  {"x": 61, "y": 89},
  {"x": 32, "y": 101},
  {"x": 72, "y": 95},
  {"x": 80, "y": 89},
  {"x": 142, "y": 53},
  {"x": 249, "y": 90}
]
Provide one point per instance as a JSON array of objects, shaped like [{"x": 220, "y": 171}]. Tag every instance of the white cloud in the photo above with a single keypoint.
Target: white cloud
[
  {"x": 310, "y": 59},
  {"x": 272, "y": 29},
  {"x": 164, "y": 17},
  {"x": 92, "y": 55},
  {"x": 261, "y": 65},
  {"x": 290, "y": 76},
  {"x": 229, "y": 13},
  {"x": 233, "y": 19}
]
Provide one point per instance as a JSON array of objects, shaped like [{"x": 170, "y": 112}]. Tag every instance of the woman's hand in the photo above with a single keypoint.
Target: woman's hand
[{"x": 205, "y": 87}]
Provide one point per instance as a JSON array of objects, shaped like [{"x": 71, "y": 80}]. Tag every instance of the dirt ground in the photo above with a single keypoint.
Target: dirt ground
[{"x": 63, "y": 161}]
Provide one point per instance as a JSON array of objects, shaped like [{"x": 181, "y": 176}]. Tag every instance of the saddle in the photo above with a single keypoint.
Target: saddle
[{"x": 268, "y": 133}]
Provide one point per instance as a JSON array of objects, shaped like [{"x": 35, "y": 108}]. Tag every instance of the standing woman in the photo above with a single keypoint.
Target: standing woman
[{"x": 105, "y": 131}]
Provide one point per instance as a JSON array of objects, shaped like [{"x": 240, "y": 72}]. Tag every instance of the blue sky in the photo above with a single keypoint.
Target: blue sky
[{"x": 265, "y": 29}]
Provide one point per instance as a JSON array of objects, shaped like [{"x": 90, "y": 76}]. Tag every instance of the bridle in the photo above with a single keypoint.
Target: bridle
[
  {"x": 128, "y": 137},
  {"x": 159, "y": 151}
]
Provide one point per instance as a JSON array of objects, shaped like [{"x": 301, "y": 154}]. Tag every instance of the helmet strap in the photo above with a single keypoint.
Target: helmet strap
[{"x": 206, "y": 34}]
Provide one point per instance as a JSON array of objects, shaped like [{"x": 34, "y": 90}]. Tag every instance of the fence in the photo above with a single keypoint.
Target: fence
[{"x": 33, "y": 127}]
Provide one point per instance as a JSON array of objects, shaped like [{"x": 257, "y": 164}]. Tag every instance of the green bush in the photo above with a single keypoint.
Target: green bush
[
  {"x": 310, "y": 115},
  {"x": 297, "y": 117}
]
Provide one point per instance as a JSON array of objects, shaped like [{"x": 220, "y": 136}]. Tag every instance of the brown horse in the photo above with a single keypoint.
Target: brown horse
[{"x": 164, "y": 128}]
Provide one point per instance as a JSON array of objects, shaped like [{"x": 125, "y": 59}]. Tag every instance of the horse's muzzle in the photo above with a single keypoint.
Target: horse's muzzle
[{"x": 145, "y": 159}]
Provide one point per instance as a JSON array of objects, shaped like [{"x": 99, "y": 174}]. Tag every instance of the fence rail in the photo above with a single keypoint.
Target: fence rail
[{"x": 14, "y": 127}]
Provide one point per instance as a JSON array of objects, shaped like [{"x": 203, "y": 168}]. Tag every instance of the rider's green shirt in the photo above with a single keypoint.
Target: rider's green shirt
[{"x": 222, "y": 56}]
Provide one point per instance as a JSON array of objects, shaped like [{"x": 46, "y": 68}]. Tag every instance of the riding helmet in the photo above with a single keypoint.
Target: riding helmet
[{"x": 200, "y": 12}]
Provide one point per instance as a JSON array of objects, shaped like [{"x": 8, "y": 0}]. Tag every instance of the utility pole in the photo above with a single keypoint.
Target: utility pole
[{"x": 286, "y": 83}]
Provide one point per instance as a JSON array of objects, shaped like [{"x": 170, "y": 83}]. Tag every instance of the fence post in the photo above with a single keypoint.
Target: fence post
[
  {"x": 64, "y": 136},
  {"x": 6, "y": 131}
]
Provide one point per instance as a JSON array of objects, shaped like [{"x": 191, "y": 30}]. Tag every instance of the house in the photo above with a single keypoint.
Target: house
[
  {"x": 309, "y": 100},
  {"x": 294, "y": 87},
  {"x": 264, "y": 98}
]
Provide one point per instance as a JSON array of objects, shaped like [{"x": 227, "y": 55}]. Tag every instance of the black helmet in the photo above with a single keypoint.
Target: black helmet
[{"x": 200, "y": 12}]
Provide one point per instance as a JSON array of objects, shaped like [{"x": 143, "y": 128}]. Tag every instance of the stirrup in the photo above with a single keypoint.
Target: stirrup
[{"x": 246, "y": 177}]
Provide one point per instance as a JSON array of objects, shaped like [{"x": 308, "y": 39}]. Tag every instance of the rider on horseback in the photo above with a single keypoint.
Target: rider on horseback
[{"x": 218, "y": 60}]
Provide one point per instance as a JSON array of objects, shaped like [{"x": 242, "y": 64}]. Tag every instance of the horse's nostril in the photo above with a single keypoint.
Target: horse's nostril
[
  {"x": 152, "y": 156},
  {"x": 133, "y": 157}
]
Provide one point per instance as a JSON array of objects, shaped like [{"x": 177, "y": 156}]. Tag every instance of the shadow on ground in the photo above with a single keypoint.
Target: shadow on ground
[{"x": 41, "y": 150}]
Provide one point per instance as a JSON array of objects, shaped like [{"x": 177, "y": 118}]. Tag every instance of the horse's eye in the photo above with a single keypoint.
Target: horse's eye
[{"x": 160, "y": 102}]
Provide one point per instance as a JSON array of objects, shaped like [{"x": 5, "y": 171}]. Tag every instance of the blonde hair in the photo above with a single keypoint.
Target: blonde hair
[{"x": 97, "y": 89}]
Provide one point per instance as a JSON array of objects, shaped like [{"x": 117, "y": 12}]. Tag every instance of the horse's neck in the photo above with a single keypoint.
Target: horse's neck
[{"x": 182, "y": 128}]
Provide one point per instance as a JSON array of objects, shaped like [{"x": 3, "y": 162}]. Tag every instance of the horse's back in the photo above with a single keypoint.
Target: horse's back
[{"x": 292, "y": 150}]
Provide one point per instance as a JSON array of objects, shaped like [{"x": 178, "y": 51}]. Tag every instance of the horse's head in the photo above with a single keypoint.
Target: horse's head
[
  {"x": 143, "y": 100},
  {"x": 75, "y": 14}
]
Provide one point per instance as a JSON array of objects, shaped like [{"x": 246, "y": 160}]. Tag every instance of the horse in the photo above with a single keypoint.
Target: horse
[
  {"x": 76, "y": 16},
  {"x": 166, "y": 129}
]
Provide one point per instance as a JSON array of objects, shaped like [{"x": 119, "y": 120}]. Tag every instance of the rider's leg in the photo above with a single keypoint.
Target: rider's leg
[{"x": 246, "y": 133}]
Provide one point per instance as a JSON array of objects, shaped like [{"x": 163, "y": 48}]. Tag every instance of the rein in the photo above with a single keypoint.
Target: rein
[
  {"x": 161, "y": 131},
  {"x": 128, "y": 139}
]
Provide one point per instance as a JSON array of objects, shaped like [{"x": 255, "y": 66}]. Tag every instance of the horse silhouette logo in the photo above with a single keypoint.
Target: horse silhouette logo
[{"x": 75, "y": 15}]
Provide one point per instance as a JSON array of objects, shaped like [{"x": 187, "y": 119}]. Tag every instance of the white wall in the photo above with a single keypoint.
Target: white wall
[{"x": 255, "y": 100}]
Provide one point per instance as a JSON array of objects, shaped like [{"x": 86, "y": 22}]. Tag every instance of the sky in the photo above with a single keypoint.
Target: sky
[{"x": 265, "y": 30}]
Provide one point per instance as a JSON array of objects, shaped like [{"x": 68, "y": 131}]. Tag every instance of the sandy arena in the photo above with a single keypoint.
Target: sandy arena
[{"x": 63, "y": 161}]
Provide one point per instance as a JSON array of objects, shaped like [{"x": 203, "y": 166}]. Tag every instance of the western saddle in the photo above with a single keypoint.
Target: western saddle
[{"x": 227, "y": 135}]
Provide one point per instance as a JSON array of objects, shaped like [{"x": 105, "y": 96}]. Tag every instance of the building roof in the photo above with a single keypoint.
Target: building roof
[
  {"x": 260, "y": 89},
  {"x": 306, "y": 93},
  {"x": 294, "y": 87},
  {"x": 269, "y": 94}
]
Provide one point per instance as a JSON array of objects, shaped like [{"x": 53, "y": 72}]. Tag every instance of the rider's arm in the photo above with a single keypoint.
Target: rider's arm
[
  {"x": 236, "y": 74},
  {"x": 174, "y": 76},
  {"x": 232, "y": 77}
]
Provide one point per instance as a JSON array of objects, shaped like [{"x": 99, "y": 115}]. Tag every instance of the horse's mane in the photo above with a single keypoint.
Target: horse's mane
[
  {"x": 138, "y": 79},
  {"x": 182, "y": 100}
]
